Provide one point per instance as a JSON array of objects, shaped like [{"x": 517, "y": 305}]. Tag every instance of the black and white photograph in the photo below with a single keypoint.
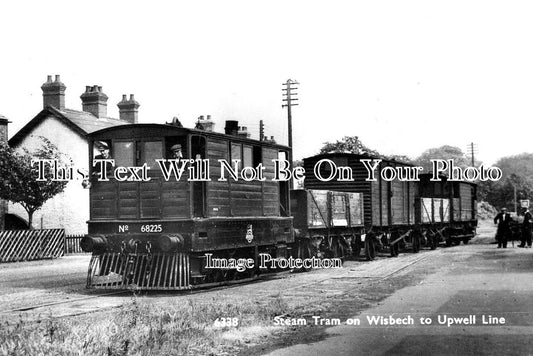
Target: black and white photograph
[{"x": 266, "y": 178}]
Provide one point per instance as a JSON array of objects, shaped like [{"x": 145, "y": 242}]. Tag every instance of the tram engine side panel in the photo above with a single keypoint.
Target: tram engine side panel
[{"x": 181, "y": 219}]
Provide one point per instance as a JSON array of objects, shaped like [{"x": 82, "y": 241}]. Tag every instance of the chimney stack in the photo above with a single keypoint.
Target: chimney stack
[
  {"x": 206, "y": 123},
  {"x": 128, "y": 109},
  {"x": 94, "y": 101},
  {"x": 243, "y": 132},
  {"x": 54, "y": 93}
]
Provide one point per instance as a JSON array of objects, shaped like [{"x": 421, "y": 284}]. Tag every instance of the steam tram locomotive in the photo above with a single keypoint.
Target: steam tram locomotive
[{"x": 156, "y": 233}]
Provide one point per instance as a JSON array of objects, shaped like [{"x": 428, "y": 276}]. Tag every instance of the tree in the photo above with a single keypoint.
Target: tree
[
  {"x": 18, "y": 177},
  {"x": 350, "y": 144},
  {"x": 444, "y": 152},
  {"x": 517, "y": 173}
]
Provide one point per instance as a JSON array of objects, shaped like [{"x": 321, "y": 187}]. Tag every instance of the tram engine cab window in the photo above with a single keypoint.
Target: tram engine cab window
[
  {"x": 284, "y": 188},
  {"x": 175, "y": 147},
  {"x": 198, "y": 151},
  {"x": 102, "y": 149},
  {"x": 248, "y": 155},
  {"x": 124, "y": 153},
  {"x": 150, "y": 151}
]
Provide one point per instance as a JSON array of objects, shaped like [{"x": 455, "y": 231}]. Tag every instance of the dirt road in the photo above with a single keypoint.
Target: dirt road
[{"x": 477, "y": 300}]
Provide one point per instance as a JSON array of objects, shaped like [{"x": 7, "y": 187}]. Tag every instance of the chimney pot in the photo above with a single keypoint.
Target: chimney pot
[
  {"x": 94, "y": 101},
  {"x": 58, "y": 78},
  {"x": 53, "y": 93},
  {"x": 128, "y": 109}
]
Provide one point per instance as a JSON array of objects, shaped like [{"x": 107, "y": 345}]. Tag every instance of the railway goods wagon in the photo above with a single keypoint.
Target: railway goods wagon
[
  {"x": 388, "y": 204},
  {"x": 326, "y": 221},
  {"x": 157, "y": 233},
  {"x": 447, "y": 209}
]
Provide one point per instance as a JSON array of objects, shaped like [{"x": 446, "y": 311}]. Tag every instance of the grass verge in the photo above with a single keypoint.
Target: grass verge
[{"x": 179, "y": 327}]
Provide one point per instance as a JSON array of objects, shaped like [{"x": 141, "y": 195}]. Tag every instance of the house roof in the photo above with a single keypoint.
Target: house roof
[{"x": 81, "y": 122}]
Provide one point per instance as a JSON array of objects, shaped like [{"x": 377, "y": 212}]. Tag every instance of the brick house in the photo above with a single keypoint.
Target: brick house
[{"x": 67, "y": 129}]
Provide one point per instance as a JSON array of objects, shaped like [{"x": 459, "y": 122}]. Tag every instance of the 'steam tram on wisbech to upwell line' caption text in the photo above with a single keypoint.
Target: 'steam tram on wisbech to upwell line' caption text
[{"x": 158, "y": 233}]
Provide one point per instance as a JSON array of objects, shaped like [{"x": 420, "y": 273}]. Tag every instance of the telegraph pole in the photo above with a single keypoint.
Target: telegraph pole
[
  {"x": 288, "y": 97},
  {"x": 261, "y": 130},
  {"x": 471, "y": 150}
]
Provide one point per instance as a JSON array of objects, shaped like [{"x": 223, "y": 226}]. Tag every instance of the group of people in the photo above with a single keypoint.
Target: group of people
[{"x": 503, "y": 219}]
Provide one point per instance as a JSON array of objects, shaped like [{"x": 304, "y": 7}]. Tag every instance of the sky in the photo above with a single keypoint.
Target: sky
[{"x": 404, "y": 76}]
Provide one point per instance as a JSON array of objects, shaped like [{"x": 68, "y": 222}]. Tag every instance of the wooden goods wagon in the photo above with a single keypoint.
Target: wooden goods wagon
[
  {"x": 447, "y": 209},
  {"x": 388, "y": 204},
  {"x": 326, "y": 221}
]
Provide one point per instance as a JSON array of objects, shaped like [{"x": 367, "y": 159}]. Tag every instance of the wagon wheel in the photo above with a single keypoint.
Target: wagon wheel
[
  {"x": 433, "y": 242},
  {"x": 395, "y": 249},
  {"x": 370, "y": 248},
  {"x": 337, "y": 249},
  {"x": 466, "y": 240},
  {"x": 356, "y": 247},
  {"x": 304, "y": 251}
]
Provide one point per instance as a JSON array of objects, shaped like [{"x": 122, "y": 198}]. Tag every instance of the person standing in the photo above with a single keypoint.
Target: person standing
[
  {"x": 526, "y": 229},
  {"x": 503, "y": 219}
]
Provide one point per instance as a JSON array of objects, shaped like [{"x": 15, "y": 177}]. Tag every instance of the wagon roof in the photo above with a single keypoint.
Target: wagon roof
[
  {"x": 168, "y": 130},
  {"x": 357, "y": 156}
]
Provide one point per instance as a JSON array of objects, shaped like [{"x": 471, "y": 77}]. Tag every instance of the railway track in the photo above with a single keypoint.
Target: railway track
[{"x": 286, "y": 284}]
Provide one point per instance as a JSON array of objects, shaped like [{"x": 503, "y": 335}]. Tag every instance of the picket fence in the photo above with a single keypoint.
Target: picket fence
[{"x": 27, "y": 245}]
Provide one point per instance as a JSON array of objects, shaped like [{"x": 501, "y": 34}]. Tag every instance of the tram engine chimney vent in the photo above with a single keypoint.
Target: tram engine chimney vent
[{"x": 232, "y": 127}]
